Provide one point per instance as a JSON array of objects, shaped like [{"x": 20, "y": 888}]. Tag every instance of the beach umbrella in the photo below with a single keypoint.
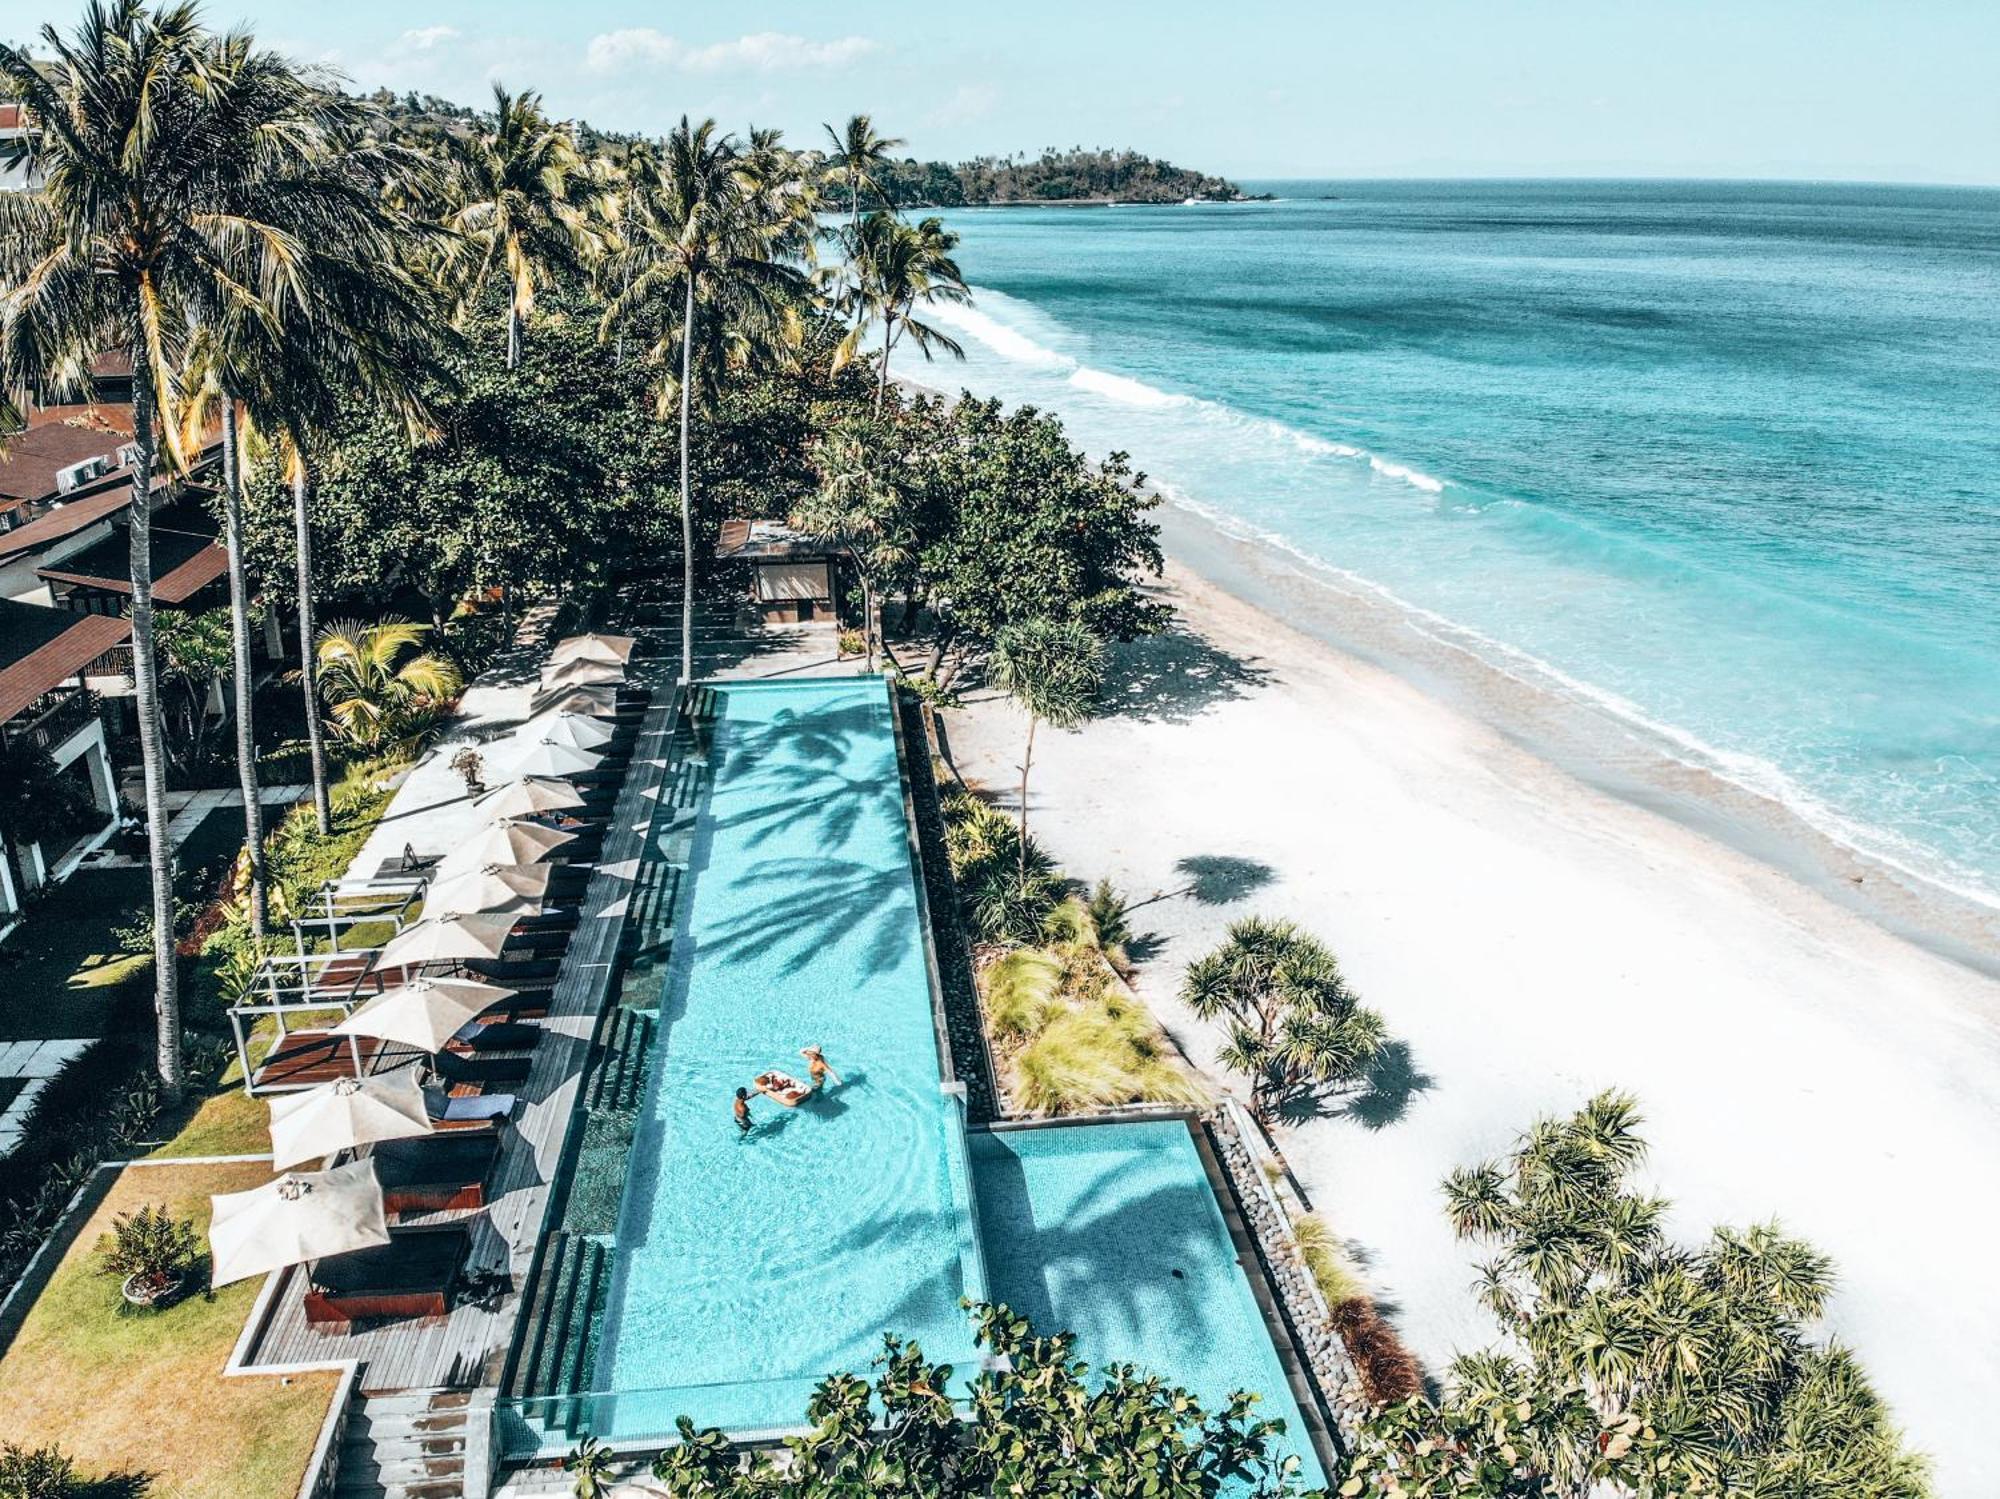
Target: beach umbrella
[
  {"x": 344, "y": 1113},
  {"x": 599, "y": 700},
  {"x": 424, "y": 1013},
  {"x": 447, "y": 939},
  {"x": 578, "y": 729},
  {"x": 508, "y": 841},
  {"x": 581, "y": 674},
  {"x": 529, "y": 796},
  {"x": 514, "y": 888},
  {"x": 303, "y": 1215},
  {"x": 545, "y": 757},
  {"x": 615, "y": 649}
]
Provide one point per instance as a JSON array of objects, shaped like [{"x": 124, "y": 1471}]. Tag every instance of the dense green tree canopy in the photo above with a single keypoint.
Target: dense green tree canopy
[
  {"x": 1635, "y": 1365},
  {"x": 1040, "y": 1424}
]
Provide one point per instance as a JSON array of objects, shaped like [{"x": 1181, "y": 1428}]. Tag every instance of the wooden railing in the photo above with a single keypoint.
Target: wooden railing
[{"x": 59, "y": 715}]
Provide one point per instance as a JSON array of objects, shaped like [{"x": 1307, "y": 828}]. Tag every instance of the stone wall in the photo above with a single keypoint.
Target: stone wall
[{"x": 1242, "y": 1156}]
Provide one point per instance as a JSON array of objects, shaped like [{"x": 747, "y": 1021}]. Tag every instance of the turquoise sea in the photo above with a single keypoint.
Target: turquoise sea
[{"x": 1719, "y": 463}]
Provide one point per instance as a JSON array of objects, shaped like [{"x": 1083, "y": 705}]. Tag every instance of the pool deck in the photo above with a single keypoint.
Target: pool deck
[{"x": 466, "y": 1348}]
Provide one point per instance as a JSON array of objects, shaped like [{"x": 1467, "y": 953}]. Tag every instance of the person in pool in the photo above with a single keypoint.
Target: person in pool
[
  {"x": 816, "y": 1068},
  {"x": 742, "y": 1110}
]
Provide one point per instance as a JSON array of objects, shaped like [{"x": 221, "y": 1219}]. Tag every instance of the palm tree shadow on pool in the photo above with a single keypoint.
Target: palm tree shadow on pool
[{"x": 809, "y": 904}]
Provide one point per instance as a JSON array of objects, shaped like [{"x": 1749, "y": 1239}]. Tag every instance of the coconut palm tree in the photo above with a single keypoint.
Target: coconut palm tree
[
  {"x": 1292, "y": 1019},
  {"x": 707, "y": 272},
  {"x": 856, "y": 161},
  {"x": 856, "y": 509},
  {"x": 379, "y": 684},
  {"x": 518, "y": 204},
  {"x": 896, "y": 268},
  {"x": 353, "y": 321},
  {"x": 161, "y": 150},
  {"x": 1054, "y": 670}
]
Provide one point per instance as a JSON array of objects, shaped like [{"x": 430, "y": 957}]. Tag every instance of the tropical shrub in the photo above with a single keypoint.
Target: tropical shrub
[
  {"x": 1040, "y": 1422},
  {"x": 37, "y": 1473},
  {"x": 1293, "y": 1022},
  {"x": 1006, "y": 887},
  {"x": 1328, "y": 1265},
  {"x": 1388, "y": 1370},
  {"x": 379, "y": 686},
  {"x": 151, "y": 1248},
  {"x": 1634, "y": 1365}
]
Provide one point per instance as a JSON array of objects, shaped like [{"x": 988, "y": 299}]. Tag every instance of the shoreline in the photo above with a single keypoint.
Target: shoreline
[
  {"x": 1583, "y": 739},
  {"x": 1532, "y": 938}
]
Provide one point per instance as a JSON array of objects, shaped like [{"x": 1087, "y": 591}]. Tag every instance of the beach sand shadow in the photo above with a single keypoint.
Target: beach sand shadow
[{"x": 1173, "y": 677}]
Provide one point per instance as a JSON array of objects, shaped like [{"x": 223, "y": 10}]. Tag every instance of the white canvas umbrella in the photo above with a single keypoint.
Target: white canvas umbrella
[
  {"x": 576, "y": 729},
  {"x": 616, "y": 649},
  {"x": 505, "y": 842},
  {"x": 516, "y": 889},
  {"x": 346, "y": 1112},
  {"x": 447, "y": 939},
  {"x": 598, "y": 699},
  {"x": 303, "y": 1215},
  {"x": 545, "y": 757},
  {"x": 581, "y": 674},
  {"x": 424, "y": 1013},
  {"x": 528, "y": 796}
]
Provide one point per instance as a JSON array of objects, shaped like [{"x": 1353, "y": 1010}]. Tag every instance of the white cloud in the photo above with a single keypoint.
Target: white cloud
[
  {"x": 970, "y": 101},
  {"x": 423, "y": 38},
  {"x": 760, "y": 52}
]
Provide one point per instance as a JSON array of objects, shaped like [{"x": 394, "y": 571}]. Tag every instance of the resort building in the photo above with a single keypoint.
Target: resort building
[
  {"x": 790, "y": 577},
  {"x": 47, "y": 657}
]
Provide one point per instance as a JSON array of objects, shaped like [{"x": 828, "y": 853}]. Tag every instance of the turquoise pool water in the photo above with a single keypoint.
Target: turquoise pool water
[
  {"x": 1112, "y": 1231},
  {"x": 750, "y": 1266}
]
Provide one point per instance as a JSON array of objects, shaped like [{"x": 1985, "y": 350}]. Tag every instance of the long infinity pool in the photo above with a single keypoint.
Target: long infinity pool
[{"x": 749, "y": 1266}]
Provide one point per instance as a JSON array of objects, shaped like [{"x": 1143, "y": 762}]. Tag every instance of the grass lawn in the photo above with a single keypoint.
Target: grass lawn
[
  {"x": 229, "y": 1122},
  {"x": 145, "y": 1394}
]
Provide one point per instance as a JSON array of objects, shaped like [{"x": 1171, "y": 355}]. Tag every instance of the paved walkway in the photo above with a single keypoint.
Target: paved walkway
[
  {"x": 188, "y": 808},
  {"x": 35, "y": 1062}
]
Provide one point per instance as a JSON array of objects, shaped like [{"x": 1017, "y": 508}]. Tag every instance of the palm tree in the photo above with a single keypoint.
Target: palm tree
[
  {"x": 379, "y": 684},
  {"x": 856, "y": 509},
  {"x": 897, "y": 267},
  {"x": 1053, "y": 669},
  {"x": 711, "y": 237},
  {"x": 515, "y": 206},
  {"x": 352, "y": 320},
  {"x": 1291, "y": 1017},
  {"x": 160, "y": 149},
  {"x": 856, "y": 160}
]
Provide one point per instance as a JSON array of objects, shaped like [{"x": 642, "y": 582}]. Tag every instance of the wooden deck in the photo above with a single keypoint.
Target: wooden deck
[{"x": 469, "y": 1346}]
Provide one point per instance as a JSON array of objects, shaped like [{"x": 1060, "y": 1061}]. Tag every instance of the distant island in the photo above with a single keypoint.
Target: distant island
[{"x": 1073, "y": 176}]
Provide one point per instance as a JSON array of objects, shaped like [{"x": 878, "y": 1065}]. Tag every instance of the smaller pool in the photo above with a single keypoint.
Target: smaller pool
[{"x": 1111, "y": 1231}]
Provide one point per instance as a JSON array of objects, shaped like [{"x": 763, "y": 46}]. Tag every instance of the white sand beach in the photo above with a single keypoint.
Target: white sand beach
[{"x": 1532, "y": 940}]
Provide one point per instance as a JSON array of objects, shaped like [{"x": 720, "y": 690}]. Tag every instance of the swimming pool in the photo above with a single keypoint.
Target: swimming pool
[
  {"x": 1112, "y": 1232},
  {"x": 747, "y": 1267}
]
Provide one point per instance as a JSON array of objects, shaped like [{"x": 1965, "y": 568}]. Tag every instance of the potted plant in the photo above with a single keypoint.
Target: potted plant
[
  {"x": 468, "y": 763},
  {"x": 152, "y": 1253}
]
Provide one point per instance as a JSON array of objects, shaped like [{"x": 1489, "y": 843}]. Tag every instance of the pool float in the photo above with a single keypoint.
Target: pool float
[{"x": 782, "y": 1086}]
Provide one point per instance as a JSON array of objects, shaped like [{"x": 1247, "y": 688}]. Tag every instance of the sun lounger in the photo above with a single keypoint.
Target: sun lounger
[
  {"x": 413, "y": 1275},
  {"x": 496, "y": 1035},
  {"x": 467, "y": 1111},
  {"x": 431, "y": 1175},
  {"x": 484, "y": 1071}
]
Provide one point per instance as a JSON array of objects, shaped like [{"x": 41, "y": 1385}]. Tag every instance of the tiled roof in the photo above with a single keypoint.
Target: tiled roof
[
  {"x": 41, "y": 648},
  {"x": 184, "y": 562},
  {"x": 56, "y": 438}
]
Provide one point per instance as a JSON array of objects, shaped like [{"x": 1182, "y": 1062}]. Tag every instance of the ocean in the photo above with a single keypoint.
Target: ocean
[{"x": 1716, "y": 465}]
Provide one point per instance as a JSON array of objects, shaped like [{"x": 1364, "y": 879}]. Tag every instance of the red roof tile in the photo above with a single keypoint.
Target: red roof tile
[{"x": 44, "y": 651}]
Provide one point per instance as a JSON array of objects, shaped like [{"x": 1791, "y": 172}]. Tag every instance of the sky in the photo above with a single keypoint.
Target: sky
[{"x": 1874, "y": 90}]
